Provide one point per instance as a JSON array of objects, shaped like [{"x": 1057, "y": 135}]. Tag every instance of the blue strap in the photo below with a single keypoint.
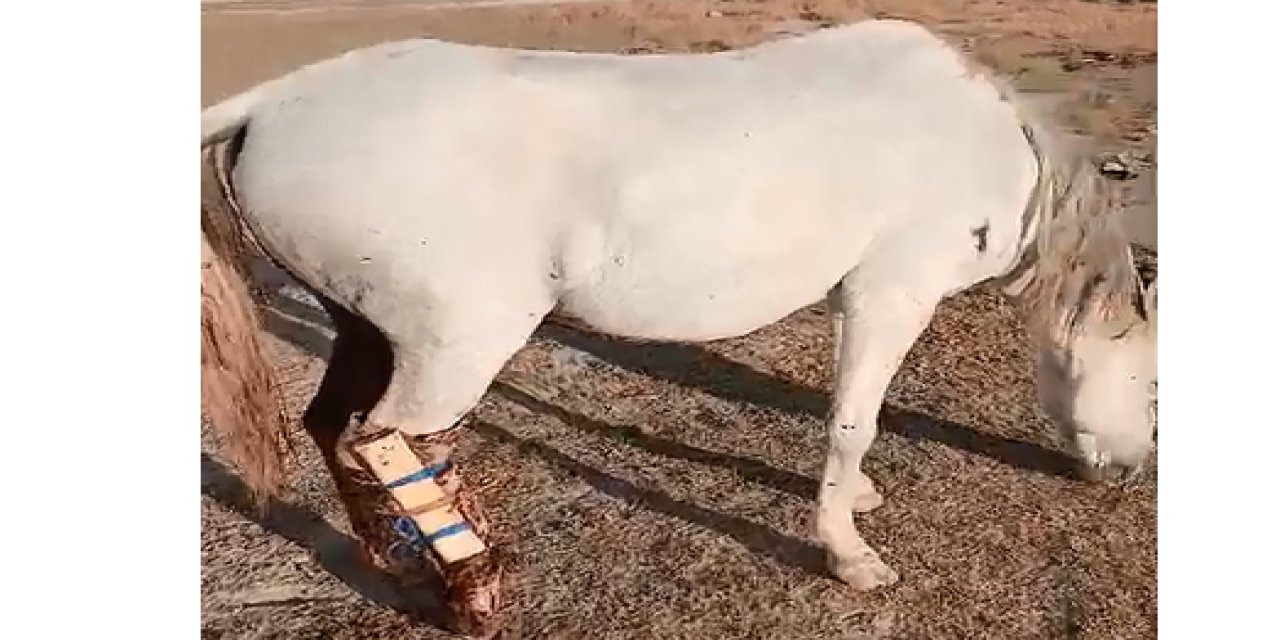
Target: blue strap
[
  {"x": 426, "y": 473},
  {"x": 409, "y": 531},
  {"x": 451, "y": 530},
  {"x": 412, "y": 534}
]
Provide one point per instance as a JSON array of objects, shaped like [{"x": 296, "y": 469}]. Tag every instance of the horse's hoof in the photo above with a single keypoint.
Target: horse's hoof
[
  {"x": 868, "y": 501},
  {"x": 475, "y": 596},
  {"x": 865, "y": 572}
]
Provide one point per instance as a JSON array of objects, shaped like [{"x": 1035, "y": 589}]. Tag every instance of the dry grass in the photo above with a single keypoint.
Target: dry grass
[
  {"x": 1031, "y": 40},
  {"x": 1062, "y": 25},
  {"x": 665, "y": 491},
  {"x": 675, "y": 25}
]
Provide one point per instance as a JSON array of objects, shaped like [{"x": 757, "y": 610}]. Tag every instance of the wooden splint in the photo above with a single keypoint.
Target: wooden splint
[{"x": 420, "y": 499}]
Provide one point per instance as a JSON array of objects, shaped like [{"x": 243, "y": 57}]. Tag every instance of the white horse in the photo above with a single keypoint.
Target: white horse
[{"x": 453, "y": 196}]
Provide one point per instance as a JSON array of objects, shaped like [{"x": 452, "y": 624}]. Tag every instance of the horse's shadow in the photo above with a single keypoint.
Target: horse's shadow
[
  {"x": 337, "y": 552},
  {"x": 306, "y": 328},
  {"x": 787, "y": 550},
  {"x": 747, "y": 468},
  {"x": 692, "y": 366},
  {"x": 685, "y": 364},
  {"x": 695, "y": 367}
]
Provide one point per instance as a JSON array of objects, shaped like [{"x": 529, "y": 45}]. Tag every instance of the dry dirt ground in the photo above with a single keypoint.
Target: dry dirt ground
[{"x": 665, "y": 491}]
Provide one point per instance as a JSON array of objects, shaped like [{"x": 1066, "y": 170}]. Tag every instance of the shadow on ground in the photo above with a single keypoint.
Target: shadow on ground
[
  {"x": 296, "y": 323},
  {"x": 684, "y": 364},
  {"x": 785, "y": 549},
  {"x": 336, "y": 552},
  {"x": 694, "y": 367}
]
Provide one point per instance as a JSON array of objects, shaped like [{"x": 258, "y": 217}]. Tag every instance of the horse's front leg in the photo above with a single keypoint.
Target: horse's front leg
[
  {"x": 866, "y": 497},
  {"x": 877, "y": 329}
]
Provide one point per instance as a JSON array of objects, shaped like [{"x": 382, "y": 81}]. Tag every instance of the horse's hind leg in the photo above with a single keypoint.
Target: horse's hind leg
[
  {"x": 356, "y": 378},
  {"x": 400, "y": 458}
]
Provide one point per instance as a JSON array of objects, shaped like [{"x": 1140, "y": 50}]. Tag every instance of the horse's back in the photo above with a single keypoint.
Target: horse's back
[{"x": 668, "y": 196}]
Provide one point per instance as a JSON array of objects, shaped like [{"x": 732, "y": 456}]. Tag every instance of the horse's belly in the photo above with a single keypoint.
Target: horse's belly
[
  {"x": 692, "y": 316},
  {"x": 693, "y": 298}
]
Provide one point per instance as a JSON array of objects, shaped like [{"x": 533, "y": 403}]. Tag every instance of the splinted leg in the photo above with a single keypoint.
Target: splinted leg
[
  {"x": 357, "y": 377},
  {"x": 401, "y": 484},
  {"x": 418, "y": 510}
]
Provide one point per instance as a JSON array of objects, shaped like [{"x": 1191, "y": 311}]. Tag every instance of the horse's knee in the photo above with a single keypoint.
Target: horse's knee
[{"x": 356, "y": 378}]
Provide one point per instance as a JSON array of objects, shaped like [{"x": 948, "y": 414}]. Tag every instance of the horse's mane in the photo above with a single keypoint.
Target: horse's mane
[{"x": 1079, "y": 268}]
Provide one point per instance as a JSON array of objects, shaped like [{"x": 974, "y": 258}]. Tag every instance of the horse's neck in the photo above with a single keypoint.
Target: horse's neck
[
  {"x": 1037, "y": 218},
  {"x": 1075, "y": 259},
  {"x": 1016, "y": 284},
  {"x": 1077, "y": 271}
]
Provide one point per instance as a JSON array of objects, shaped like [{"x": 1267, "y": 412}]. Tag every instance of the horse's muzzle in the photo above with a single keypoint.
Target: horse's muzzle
[{"x": 1114, "y": 474}]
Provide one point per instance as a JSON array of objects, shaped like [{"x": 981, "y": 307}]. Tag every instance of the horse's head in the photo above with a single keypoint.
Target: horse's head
[
  {"x": 1098, "y": 386},
  {"x": 1093, "y": 319}
]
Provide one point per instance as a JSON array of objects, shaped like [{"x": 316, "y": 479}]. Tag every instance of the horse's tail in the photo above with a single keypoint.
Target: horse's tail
[{"x": 238, "y": 391}]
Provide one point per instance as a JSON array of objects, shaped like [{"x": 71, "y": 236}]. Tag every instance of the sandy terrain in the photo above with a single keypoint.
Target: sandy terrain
[{"x": 664, "y": 491}]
